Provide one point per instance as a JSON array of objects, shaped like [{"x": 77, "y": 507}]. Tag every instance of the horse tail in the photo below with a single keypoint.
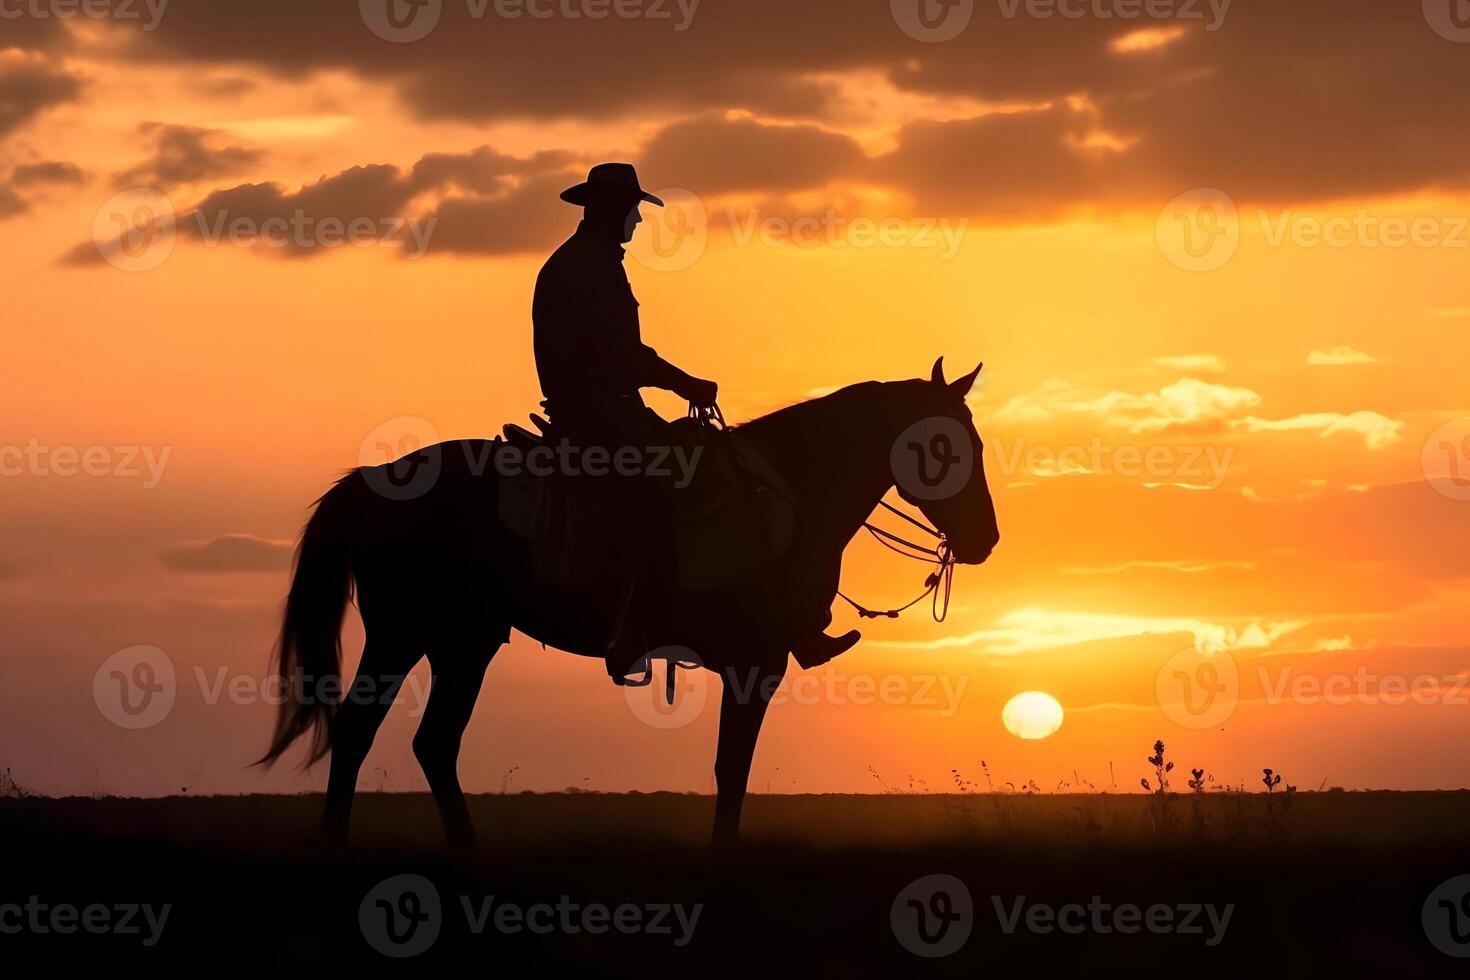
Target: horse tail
[{"x": 308, "y": 654}]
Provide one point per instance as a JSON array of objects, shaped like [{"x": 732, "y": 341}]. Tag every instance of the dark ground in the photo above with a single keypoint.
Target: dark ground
[{"x": 1322, "y": 882}]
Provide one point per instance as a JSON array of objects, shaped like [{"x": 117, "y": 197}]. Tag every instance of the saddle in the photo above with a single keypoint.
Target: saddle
[{"x": 733, "y": 514}]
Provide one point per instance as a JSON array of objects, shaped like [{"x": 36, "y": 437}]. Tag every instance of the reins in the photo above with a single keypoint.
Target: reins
[{"x": 938, "y": 583}]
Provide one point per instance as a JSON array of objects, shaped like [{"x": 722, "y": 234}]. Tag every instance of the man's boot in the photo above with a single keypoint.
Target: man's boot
[{"x": 818, "y": 648}]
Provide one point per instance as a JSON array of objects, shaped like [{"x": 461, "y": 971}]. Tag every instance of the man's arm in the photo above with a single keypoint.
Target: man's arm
[{"x": 655, "y": 372}]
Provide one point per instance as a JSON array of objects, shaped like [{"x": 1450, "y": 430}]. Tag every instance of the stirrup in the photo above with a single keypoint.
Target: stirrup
[{"x": 626, "y": 680}]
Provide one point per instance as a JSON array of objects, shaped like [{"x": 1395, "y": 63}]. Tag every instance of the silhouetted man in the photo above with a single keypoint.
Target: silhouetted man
[{"x": 592, "y": 361}]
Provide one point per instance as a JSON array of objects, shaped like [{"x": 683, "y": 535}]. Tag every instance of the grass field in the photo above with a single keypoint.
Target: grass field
[{"x": 1305, "y": 881}]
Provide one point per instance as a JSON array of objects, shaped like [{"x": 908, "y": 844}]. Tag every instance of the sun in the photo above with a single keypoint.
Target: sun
[{"x": 1032, "y": 714}]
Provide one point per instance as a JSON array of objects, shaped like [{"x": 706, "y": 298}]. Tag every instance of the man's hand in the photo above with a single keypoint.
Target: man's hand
[{"x": 700, "y": 392}]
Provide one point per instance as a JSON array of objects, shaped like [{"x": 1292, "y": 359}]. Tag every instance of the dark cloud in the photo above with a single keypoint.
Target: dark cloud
[
  {"x": 521, "y": 213},
  {"x": 11, "y": 203},
  {"x": 29, "y": 86},
  {"x": 228, "y": 553},
  {"x": 47, "y": 172},
  {"x": 1286, "y": 101},
  {"x": 714, "y": 155},
  {"x": 183, "y": 155},
  {"x": 483, "y": 170}
]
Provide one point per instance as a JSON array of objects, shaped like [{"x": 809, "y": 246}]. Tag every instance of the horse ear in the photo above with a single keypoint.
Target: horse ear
[
  {"x": 963, "y": 385},
  {"x": 937, "y": 376}
]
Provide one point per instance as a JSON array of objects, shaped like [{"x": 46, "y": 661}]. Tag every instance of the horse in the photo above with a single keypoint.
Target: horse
[{"x": 435, "y": 575}]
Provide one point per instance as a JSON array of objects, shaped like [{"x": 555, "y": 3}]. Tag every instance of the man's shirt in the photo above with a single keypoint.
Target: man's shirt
[{"x": 589, "y": 350}]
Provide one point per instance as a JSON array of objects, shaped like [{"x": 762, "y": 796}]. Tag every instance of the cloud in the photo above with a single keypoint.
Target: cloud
[
  {"x": 11, "y": 203},
  {"x": 47, "y": 172},
  {"x": 1191, "y": 362},
  {"x": 1339, "y": 355},
  {"x": 1182, "y": 566},
  {"x": 185, "y": 155},
  {"x": 1378, "y": 431},
  {"x": 1109, "y": 116},
  {"x": 1187, "y": 402},
  {"x": 520, "y": 214},
  {"x": 713, "y": 155},
  {"x": 30, "y": 84},
  {"x": 228, "y": 553},
  {"x": 1030, "y": 629}
]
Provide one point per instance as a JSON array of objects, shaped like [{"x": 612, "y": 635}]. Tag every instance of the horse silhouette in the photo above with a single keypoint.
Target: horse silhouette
[{"x": 437, "y": 575}]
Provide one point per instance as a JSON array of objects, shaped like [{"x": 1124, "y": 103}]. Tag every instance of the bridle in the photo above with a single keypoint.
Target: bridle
[{"x": 938, "y": 583}]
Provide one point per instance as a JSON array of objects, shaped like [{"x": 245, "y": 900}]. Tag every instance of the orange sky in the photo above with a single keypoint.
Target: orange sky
[{"x": 1221, "y": 442}]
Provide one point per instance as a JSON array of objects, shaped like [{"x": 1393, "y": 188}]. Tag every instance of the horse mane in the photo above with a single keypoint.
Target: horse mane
[{"x": 802, "y": 411}]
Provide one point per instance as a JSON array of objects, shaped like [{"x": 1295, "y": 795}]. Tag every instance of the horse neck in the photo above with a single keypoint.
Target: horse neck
[{"x": 834, "y": 452}]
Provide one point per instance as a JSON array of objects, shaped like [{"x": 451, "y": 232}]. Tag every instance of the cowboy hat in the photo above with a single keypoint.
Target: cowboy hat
[{"x": 608, "y": 180}]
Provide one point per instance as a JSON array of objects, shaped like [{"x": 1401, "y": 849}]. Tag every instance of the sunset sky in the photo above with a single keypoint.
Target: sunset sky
[{"x": 1215, "y": 264}]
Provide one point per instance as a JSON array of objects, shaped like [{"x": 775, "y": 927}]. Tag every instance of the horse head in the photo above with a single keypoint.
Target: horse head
[{"x": 937, "y": 467}]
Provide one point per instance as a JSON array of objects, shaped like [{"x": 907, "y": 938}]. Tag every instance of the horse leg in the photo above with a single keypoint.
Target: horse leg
[
  {"x": 364, "y": 706},
  {"x": 743, "y": 706},
  {"x": 458, "y": 674}
]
